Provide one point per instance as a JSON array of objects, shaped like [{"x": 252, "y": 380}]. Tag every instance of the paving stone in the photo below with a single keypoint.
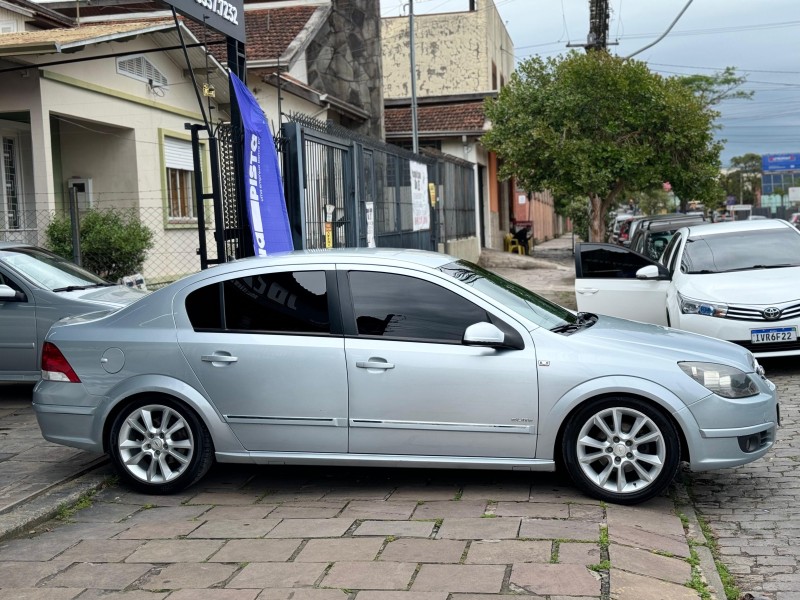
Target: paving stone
[
  {"x": 459, "y": 578},
  {"x": 395, "y": 528},
  {"x": 445, "y": 509},
  {"x": 424, "y": 551},
  {"x": 189, "y": 575},
  {"x": 162, "y": 531},
  {"x": 578, "y": 554},
  {"x": 511, "y": 492},
  {"x": 360, "y": 492},
  {"x": 646, "y": 563},
  {"x": 40, "y": 594},
  {"x": 323, "y": 511},
  {"x": 542, "y": 510},
  {"x": 425, "y": 492},
  {"x": 214, "y": 594},
  {"x": 367, "y": 595},
  {"x": 129, "y": 595},
  {"x": 586, "y": 512},
  {"x": 242, "y": 551},
  {"x": 549, "y": 493},
  {"x": 26, "y": 574},
  {"x": 553, "y": 579},
  {"x": 303, "y": 594},
  {"x": 506, "y": 552},
  {"x": 362, "y": 509},
  {"x": 124, "y": 497},
  {"x": 310, "y": 528},
  {"x": 554, "y": 529},
  {"x": 167, "y": 514},
  {"x": 75, "y": 532},
  {"x": 238, "y": 513},
  {"x": 174, "y": 551},
  {"x": 226, "y": 498},
  {"x": 370, "y": 575},
  {"x": 628, "y": 586},
  {"x": 278, "y": 575},
  {"x": 636, "y": 538},
  {"x": 100, "y": 551},
  {"x": 344, "y": 549},
  {"x": 251, "y": 528},
  {"x": 490, "y": 529},
  {"x": 103, "y": 576},
  {"x": 656, "y": 516},
  {"x": 36, "y": 549},
  {"x": 104, "y": 512}
]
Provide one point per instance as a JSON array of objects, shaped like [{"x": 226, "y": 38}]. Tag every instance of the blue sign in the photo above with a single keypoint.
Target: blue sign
[
  {"x": 266, "y": 206},
  {"x": 780, "y": 162}
]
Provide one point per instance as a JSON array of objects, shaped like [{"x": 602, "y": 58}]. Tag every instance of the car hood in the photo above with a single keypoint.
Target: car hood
[
  {"x": 115, "y": 296},
  {"x": 644, "y": 339},
  {"x": 756, "y": 286}
]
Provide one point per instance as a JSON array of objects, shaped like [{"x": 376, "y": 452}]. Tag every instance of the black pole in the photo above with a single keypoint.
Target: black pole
[
  {"x": 191, "y": 70},
  {"x": 198, "y": 195},
  {"x": 236, "y": 64}
]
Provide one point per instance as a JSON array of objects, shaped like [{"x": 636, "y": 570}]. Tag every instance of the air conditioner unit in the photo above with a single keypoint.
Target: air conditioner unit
[{"x": 83, "y": 192}]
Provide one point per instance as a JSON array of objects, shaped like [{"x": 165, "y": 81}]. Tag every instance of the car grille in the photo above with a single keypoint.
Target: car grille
[
  {"x": 749, "y": 313},
  {"x": 769, "y": 346}
]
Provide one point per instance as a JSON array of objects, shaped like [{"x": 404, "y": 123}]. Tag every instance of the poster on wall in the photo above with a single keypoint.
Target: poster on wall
[
  {"x": 419, "y": 192},
  {"x": 370, "y": 210}
]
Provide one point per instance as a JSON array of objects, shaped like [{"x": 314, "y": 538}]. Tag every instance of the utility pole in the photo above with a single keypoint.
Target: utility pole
[
  {"x": 413, "y": 58},
  {"x": 598, "y": 27}
]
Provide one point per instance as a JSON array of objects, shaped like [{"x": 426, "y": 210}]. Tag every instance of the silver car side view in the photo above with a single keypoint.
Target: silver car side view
[{"x": 395, "y": 358}]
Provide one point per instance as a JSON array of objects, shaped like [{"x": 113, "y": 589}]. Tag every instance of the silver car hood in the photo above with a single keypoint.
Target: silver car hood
[{"x": 643, "y": 339}]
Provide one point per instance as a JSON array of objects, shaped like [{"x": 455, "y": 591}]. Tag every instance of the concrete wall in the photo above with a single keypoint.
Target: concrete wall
[
  {"x": 454, "y": 52},
  {"x": 468, "y": 249}
]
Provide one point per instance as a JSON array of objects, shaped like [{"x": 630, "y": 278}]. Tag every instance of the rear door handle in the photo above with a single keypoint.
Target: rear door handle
[
  {"x": 374, "y": 364},
  {"x": 588, "y": 291},
  {"x": 219, "y": 358}
]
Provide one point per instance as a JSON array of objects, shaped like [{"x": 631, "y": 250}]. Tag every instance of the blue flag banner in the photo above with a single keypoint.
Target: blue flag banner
[{"x": 263, "y": 187}]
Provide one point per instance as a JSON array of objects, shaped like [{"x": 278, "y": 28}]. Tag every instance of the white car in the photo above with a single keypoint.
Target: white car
[{"x": 736, "y": 281}]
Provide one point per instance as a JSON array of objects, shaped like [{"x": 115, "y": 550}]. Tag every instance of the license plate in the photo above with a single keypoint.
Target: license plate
[{"x": 775, "y": 334}]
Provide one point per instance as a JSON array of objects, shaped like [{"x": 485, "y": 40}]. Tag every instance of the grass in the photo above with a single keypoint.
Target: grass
[
  {"x": 603, "y": 565},
  {"x": 67, "y": 511}
]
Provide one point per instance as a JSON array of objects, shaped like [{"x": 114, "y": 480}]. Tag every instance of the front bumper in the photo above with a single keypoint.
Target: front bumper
[{"x": 738, "y": 332}]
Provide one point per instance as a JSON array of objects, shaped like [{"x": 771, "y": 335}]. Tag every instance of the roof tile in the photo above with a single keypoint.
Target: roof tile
[{"x": 450, "y": 117}]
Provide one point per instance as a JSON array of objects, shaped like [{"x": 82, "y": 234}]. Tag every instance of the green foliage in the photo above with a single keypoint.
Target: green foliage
[
  {"x": 713, "y": 89},
  {"x": 743, "y": 181},
  {"x": 653, "y": 201},
  {"x": 113, "y": 244},
  {"x": 593, "y": 125}
]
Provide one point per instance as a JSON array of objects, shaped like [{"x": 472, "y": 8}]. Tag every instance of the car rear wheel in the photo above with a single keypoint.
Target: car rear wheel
[
  {"x": 160, "y": 446},
  {"x": 621, "y": 450}
]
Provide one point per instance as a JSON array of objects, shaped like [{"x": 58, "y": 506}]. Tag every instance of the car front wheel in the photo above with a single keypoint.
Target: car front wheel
[
  {"x": 621, "y": 450},
  {"x": 160, "y": 446}
]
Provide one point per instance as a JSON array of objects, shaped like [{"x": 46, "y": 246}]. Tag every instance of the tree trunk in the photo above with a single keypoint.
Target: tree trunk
[{"x": 597, "y": 221}]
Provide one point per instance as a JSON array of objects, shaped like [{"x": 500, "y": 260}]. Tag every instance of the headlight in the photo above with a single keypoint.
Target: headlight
[
  {"x": 725, "y": 381},
  {"x": 701, "y": 307}
]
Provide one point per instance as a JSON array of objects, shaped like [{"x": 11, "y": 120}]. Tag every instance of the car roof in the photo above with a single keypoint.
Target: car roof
[
  {"x": 356, "y": 256},
  {"x": 707, "y": 229},
  {"x": 667, "y": 224}
]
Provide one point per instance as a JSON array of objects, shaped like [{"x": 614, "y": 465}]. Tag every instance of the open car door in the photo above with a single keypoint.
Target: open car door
[{"x": 615, "y": 281}]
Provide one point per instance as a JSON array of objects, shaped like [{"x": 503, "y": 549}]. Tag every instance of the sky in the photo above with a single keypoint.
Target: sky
[{"x": 759, "y": 39}]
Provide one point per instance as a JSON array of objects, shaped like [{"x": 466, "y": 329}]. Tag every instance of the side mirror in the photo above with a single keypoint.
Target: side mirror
[
  {"x": 484, "y": 334},
  {"x": 6, "y": 293},
  {"x": 649, "y": 272}
]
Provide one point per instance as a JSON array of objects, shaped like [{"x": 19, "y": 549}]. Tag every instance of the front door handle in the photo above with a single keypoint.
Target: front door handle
[
  {"x": 219, "y": 358},
  {"x": 588, "y": 291},
  {"x": 374, "y": 364}
]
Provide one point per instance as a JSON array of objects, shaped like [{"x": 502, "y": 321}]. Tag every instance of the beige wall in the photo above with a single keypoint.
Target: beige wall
[
  {"x": 14, "y": 17},
  {"x": 454, "y": 52}
]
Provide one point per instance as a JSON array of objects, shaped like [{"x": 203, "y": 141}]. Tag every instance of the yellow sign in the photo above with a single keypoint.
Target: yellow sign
[
  {"x": 432, "y": 192},
  {"x": 329, "y": 235}
]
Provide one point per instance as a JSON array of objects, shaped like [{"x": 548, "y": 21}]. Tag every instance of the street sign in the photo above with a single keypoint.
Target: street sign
[
  {"x": 780, "y": 162},
  {"x": 225, "y": 16}
]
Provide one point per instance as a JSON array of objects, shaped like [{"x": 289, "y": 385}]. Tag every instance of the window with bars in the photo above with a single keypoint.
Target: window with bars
[
  {"x": 11, "y": 183},
  {"x": 138, "y": 67}
]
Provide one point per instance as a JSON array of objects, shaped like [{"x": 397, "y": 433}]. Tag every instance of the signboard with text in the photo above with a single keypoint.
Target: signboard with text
[
  {"x": 225, "y": 16},
  {"x": 419, "y": 191},
  {"x": 780, "y": 162}
]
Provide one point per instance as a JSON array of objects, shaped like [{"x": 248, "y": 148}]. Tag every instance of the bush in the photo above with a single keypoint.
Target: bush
[{"x": 113, "y": 243}]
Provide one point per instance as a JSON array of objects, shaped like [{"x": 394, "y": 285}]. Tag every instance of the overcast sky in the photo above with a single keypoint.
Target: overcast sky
[{"x": 760, "y": 39}]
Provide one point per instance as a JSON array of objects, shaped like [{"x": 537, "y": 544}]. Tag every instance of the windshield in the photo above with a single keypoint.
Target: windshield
[
  {"x": 48, "y": 270},
  {"x": 741, "y": 251},
  {"x": 519, "y": 299}
]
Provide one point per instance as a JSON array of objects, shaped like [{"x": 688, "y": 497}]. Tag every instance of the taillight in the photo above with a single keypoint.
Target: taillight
[{"x": 55, "y": 367}]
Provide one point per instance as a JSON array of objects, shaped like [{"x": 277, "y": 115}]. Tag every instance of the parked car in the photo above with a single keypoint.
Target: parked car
[
  {"x": 38, "y": 288},
  {"x": 653, "y": 235},
  {"x": 394, "y": 358},
  {"x": 643, "y": 222},
  {"x": 624, "y": 237},
  {"x": 615, "y": 227},
  {"x": 736, "y": 281},
  {"x": 795, "y": 219}
]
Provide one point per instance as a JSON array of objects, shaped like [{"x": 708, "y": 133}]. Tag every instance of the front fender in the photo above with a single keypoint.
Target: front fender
[
  {"x": 615, "y": 385},
  {"x": 224, "y": 439}
]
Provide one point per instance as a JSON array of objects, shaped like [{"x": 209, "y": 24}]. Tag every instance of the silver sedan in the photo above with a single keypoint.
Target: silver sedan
[{"x": 395, "y": 358}]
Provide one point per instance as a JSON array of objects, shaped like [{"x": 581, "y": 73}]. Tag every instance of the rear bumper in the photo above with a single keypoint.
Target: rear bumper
[{"x": 67, "y": 415}]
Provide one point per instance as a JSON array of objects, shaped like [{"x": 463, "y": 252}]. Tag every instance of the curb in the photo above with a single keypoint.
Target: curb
[{"x": 29, "y": 513}]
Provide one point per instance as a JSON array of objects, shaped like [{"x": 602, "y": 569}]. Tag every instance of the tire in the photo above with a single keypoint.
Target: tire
[
  {"x": 605, "y": 461},
  {"x": 160, "y": 446}
]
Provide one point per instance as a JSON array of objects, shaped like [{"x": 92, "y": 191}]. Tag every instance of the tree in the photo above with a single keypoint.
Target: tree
[
  {"x": 713, "y": 89},
  {"x": 743, "y": 180},
  {"x": 595, "y": 125}
]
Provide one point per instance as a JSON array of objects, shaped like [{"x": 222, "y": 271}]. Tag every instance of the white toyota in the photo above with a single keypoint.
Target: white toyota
[{"x": 736, "y": 281}]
